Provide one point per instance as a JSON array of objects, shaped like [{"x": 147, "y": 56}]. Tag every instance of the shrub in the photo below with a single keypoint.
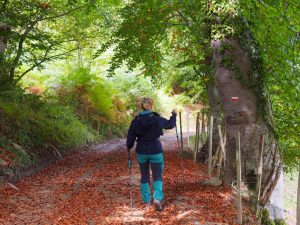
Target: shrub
[
  {"x": 33, "y": 124},
  {"x": 280, "y": 222},
  {"x": 264, "y": 217},
  {"x": 95, "y": 101}
]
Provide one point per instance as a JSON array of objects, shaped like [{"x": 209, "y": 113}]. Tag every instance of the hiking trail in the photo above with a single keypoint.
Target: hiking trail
[{"x": 92, "y": 187}]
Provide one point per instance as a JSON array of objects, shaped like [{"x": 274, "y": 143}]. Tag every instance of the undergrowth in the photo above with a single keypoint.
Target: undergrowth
[
  {"x": 264, "y": 218},
  {"x": 83, "y": 109},
  {"x": 40, "y": 119},
  {"x": 31, "y": 127}
]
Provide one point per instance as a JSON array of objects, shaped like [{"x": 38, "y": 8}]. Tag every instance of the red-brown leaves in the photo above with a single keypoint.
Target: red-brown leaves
[{"x": 92, "y": 187}]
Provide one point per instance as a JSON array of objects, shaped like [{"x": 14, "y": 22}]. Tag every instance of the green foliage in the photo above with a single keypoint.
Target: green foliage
[
  {"x": 274, "y": 25},
  {"x": 49, "y": 30},
  {"x": 139, "y": 35},
  {"x": 35, "y": 125},
  {"x": 167, "y": 40},
  {"x": 181, "y": 79},
  {"x": 264, "y": 218},
  {"x": 151, "y": 32},
  {"x": 76, "y": 106},
  {"x": 228, "y": 62},
  {"x": 149, "y": 29},
  {"x": 133, "y": 87},
  {"x": 280, "y": 222},
  {"x": 94, "y": 99},
  {"x": 225, "y": 48}
]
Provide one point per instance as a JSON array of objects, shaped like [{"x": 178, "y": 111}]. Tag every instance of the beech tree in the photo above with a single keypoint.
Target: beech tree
[
  {"x": 246, "y": 49},
  {"x": 35, "y": 32}
]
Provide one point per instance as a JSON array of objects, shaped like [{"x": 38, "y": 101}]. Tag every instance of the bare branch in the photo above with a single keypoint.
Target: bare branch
[{"x": 180, "y": 14}]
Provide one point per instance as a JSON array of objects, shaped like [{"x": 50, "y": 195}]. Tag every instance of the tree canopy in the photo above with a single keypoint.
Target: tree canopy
[
  {"x": 42, "y": 31},
  {"x": 155, "y": 31},
  {"x": 168, "y": 40}
]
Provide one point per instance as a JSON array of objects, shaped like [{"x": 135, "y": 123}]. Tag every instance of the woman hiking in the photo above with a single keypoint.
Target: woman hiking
[{"x": 146, "y": 128}]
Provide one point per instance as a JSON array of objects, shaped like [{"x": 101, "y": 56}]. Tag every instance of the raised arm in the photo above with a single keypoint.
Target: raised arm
[{"x": 168, "y": 124}]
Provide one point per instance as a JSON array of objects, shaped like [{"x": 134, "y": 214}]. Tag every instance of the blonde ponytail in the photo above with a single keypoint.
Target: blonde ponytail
[{"x": 146, "y": 103}]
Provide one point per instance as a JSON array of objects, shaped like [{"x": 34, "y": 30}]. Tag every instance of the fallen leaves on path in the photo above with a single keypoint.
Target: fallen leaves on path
[{"x": 92, "y": 187}]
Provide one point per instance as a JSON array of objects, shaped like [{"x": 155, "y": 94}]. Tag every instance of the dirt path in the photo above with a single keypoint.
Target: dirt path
[{"x": 92, "y": 187}]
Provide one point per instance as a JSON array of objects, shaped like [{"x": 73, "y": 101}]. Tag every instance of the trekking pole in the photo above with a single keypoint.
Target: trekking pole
[
  {"x": 130, "y": 178},
  {"x": 181, "y": 163}
]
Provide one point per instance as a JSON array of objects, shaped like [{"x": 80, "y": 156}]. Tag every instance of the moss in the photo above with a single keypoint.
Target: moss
[
  {"x": 264, "y": 217},
  {"x": 228, "y": 62},
  {"x": 239, "y": 76},
  {"x": 225, "y": 47},
  {"x": 280, "y": 222}
]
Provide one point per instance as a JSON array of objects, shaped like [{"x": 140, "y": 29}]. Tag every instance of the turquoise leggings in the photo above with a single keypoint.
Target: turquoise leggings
[{"x": 157, "y": 166}]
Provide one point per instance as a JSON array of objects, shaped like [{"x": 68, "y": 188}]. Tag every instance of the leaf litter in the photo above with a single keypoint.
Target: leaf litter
[{"x": 92, "y": 187}]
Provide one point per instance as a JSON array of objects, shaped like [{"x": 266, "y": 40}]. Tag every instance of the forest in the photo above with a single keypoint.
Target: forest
[{"x": 72, "y": 73}]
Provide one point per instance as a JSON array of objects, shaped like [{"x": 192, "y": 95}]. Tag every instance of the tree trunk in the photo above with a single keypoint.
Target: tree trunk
[
  {"x": 215, "y": 111},
  {"x": 4, "y": 30},
  {"x": 233, "y": 74},
  {"x": 4, "y": 33}
]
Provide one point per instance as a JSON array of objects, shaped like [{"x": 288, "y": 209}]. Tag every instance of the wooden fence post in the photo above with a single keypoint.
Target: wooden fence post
[
  {"x": 205, "y": 124},
  {"x": 181, "y": 147},
  {"x": 199, "y": 132},
  {"x": 181, "y": 138},
  {"x": 298, "y": 199},
  {"x": 215, "y": 158},
  {"x": 259, "y": 172},
  {"x": 202, "y": 127},
  {"x": 196, "y": 138},
  {"x": 239, "y": 179},
  {"x": 222, "y": 153},
  {"x": 210, "y": 146},
  {"x": 224, "y": 141},
  {"x": 188, "y": 127}
]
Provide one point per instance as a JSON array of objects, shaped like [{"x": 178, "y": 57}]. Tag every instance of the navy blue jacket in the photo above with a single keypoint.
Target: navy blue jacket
[{"x": 147, "y": 128}]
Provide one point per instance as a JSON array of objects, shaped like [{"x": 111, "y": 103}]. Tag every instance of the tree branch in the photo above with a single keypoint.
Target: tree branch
[
  {"x": 180, "y": 14},
  {"x": 19, "y": 51},
  {"x": 61, "y": 14},
  {"x": 175, "y": 24},
  {"x": 45, "y": 58},
  {"x": 24, "y": 36},
  {"x": 292, "y": 4},
  {"x": 184, "y": 18}
]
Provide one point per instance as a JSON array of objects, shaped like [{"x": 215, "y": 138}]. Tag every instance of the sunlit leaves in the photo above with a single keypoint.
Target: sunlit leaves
[
  {"x": 275, "y": 26},
  {"x": 152, "y": 32},
  {"x": 43, "y": 31}
]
